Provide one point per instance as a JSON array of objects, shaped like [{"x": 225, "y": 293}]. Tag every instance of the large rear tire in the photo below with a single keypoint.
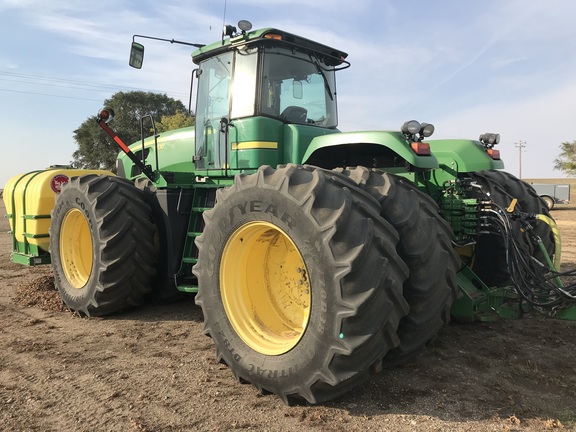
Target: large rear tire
[
  {"x": 101, "y": 245},
  {"x": 299, "y": 282},
  {"x": 426, "y": 247},
  {"x": 490, "y": 254}
]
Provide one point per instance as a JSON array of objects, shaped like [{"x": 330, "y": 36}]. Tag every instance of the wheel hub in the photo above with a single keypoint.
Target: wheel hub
[
  {"x": 265, "y": 288},
  {"x": 76, "y": 248}
]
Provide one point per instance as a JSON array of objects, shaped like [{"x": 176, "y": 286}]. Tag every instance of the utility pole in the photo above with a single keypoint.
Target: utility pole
[{"x": 520, "y": 145}]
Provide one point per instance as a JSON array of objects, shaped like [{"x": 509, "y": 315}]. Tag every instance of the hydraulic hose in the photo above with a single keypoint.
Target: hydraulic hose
[{"x": 532, "y": 282}]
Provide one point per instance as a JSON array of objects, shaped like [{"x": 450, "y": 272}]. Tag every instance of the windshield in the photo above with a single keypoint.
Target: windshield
[{"x": 298, "y": 88}]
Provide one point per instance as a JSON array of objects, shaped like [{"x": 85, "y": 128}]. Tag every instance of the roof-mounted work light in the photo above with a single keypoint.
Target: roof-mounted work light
[
  {"x": 411, "y": 127},
  {"x": 231, "y": 31},
  {"x": 426, "y": 129}
]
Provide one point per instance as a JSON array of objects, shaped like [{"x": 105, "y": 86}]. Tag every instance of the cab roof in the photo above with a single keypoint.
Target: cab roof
[{"x": 268, "y": 36}]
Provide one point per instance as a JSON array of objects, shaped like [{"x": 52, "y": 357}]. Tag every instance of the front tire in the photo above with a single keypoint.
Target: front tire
[
  {"x": 101, "y": 245},
  {"x": 300, "y": 283}
]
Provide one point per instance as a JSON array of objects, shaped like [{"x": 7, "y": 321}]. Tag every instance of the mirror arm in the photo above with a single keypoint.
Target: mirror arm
[{"x": 172, "y": 41}]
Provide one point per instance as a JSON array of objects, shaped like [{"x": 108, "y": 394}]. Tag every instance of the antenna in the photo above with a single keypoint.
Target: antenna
[
  {"x": 209, "y": 16},
  {"x": 224, "y": 21}
]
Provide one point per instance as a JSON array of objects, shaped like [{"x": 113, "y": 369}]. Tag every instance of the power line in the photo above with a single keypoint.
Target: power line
[
  {"x": 52, "y": 82},
  {"x": 71, "y": 84},
  {"x": 63, "y": 85},
  {"x": 55, "y": 80},
  {"x": 50, "y": 95}
]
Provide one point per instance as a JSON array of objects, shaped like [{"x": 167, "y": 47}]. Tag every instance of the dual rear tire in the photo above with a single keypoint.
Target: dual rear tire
[{"x": 304, "y": 282}]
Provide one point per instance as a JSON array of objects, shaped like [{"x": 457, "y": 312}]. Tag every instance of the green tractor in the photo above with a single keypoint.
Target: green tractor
[{"x": 318, "y": 257}]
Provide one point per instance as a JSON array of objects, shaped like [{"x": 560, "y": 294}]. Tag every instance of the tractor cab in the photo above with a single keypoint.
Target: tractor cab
[{"x": 262, "y": 96}]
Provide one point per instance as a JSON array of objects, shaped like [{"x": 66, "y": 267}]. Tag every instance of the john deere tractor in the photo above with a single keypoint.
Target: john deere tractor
[{"x": 318, "y": 257}]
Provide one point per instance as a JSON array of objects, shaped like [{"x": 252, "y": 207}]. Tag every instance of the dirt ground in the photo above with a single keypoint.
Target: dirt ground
[{"x": 152, "y": 369}]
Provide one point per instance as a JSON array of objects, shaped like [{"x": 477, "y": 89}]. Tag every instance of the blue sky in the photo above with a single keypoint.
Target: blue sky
[{"x": 468, "y": 67}]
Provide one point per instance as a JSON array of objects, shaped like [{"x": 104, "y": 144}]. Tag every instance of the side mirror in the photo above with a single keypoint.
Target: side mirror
[{"x": 136, "y": 55}]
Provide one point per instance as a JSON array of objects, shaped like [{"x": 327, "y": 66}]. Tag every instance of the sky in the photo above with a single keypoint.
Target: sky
[{"x": 468, "y": 67}]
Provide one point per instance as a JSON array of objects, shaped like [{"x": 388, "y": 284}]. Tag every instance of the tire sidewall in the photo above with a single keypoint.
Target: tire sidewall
[
  {"x": 70, "y": 199},
  {"x": 258, "y": 204}
]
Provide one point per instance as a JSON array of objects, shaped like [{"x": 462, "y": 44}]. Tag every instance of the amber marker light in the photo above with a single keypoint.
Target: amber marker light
[
  {"x": 421, "y": 148},
  {"x": 494, "y": 154},
  {"x": 273, "y": 36}
]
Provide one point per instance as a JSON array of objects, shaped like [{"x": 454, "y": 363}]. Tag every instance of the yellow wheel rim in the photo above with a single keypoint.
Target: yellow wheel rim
[
  {"x": 76, "y": 248},
  {"x": 265, "y": 288}
]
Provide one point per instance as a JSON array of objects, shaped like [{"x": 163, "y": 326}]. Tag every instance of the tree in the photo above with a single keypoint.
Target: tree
[
  {"x": 96, "y": 150},
  {"x": 567, "y": 160},
  {"x": 176, "y": 121}
]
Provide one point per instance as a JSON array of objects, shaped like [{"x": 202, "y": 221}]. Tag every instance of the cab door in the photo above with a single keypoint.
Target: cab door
[{"x": 212, "y": 114}]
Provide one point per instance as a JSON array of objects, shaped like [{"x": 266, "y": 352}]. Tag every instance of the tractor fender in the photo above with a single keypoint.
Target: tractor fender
[
  {"x": 459, "y": 155},
  {"x": 377, "y": 149}
]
